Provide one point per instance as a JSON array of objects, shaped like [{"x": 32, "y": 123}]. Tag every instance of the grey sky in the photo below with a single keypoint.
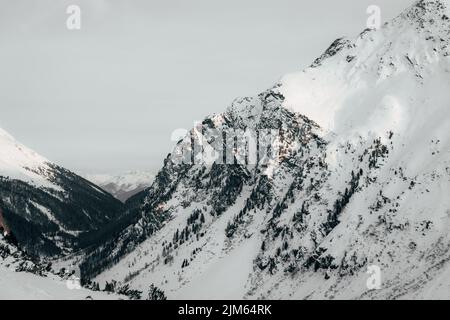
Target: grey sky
[{"x": 106, "y": 98}]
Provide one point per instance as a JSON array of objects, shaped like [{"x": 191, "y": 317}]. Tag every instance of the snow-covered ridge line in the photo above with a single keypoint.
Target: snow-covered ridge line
[
  {"x": 414, "y": 43},
  {"x": 125, "y": 185},
  {"x": 368, "y": 188},
  {"x": 19, "y": 162},
  {"x": 49, "y": 209}
]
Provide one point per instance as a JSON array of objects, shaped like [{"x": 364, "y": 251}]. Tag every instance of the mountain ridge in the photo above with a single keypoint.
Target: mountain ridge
[
  {"x": 50, "y": 210},
  {"x": 360, "y": 180}
]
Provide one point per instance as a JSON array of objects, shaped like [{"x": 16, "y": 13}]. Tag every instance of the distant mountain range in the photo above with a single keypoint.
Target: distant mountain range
[{"x": 123, "y": 186}]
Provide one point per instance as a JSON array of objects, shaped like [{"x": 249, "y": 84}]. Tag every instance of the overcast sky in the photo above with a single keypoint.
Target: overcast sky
[{"x": 106, "y": 98}]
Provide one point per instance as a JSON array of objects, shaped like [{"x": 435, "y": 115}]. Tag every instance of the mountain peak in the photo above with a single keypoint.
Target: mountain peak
[{"x": 19, "y": 162}]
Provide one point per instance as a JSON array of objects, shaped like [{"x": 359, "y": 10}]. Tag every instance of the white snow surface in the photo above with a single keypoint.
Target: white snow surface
[
  {"x": 19, "y": 162},
  {"x": 18, "y": 284}
]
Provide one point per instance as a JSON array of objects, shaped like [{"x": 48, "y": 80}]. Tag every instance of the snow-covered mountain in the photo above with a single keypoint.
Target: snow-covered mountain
[
  {"x": 361, "y": 180},
  {"x": 50, "y": 210},
  {"x": 21, "y": 163},
  {"x": 123, "y": 186}
]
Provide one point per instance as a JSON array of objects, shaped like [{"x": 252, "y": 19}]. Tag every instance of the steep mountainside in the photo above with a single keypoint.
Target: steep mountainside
[
  {"x": 50, "y": 210},
  {"x": 356, "y": 174},
  {"x": 123, "y": 186}
]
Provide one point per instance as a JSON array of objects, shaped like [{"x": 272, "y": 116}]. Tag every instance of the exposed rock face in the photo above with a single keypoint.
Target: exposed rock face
[
  {"x": 4, "y": 229},
  {"x": 360, "y": 178}
]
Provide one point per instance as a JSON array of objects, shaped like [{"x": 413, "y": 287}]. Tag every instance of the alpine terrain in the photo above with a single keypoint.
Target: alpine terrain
[
  {"x": 21, "y": 278},
  {"x": 48, "y": 210},
  {"x": 332, "y": 184},
  {"x": 354, "y": 176}
]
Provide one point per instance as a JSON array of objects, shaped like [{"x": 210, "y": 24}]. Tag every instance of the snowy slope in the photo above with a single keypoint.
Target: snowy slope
[
  {"x": 23, "y": 279},
  {"x": 371, "y": 81},
  {"x": 27, "y": 286},
  {"x": 19, "y": 162},
  {"x": 50, "y": 210},
  {"x": 362, "y": 180},
  {"x": 123, "y": 186}
]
